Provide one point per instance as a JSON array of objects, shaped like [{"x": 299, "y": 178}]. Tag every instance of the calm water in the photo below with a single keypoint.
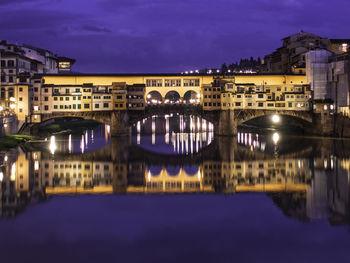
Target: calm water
[{"x": 176, "y": 193}]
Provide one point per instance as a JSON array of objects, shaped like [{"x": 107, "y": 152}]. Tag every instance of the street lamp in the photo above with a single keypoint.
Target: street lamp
[{"x": 276, "y": 118}]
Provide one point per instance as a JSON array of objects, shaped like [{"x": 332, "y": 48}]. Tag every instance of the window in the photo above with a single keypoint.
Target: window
[
  {"x": 20, "y": 89},
  {"x": 260, "y": 96},
  {"x": 55, "y": 107},
  {"x": 105, "y": 105},
  {"x": 74, "y": 106},
  {"x": 97, "y": 106},
  {"x": 61, "y": 107},
  {"x": 238, "y": 104},
  {"x": 191, "y": 82},
  {"x": 86, "y": 106},
  {"x": 79, "y": 106},
  {"x": 61, "y": 98},
  {"x": 154, "y": 83},
  {"x": 172, "y": 83},
  {"x": 46, "y": 107},
  {"x": 67, "y": 91},
  {"x": 55, "y": 98},
  {"x": 20, "y": 98},
  {"x": 119, "y": 97},
  {"x": 11, "y": 63},
  {"x": 46, "y": 98},
  {"x": 260, "y": 104},
  {"x": 67, "y": 98}
]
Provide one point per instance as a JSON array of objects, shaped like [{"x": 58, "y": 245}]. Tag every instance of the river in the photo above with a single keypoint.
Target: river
[{"x": 173, "y": 192}]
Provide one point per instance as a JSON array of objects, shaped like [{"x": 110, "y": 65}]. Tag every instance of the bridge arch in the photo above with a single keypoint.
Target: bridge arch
[
  {"x": 173, "y": 170},
  {"x": 303, "y": 117},
  {"x": 155, "y": 170},
  {"x": 191, "y": 97},
  {"x": 172, "y": 97},
  {"x": 154, "y": 97},
  {"x": 191, "y": 169}
]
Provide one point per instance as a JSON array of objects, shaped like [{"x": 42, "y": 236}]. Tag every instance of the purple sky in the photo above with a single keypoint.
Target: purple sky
[{"x": 166, "y": 35}]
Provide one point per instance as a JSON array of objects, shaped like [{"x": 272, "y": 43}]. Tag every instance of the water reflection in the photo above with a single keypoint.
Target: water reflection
[
  {"x": 308, "y": 179},
  {"x": 175, "y": 133}
]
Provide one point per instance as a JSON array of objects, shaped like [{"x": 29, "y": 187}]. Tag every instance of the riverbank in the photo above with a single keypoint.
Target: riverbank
[{"x": 12, "y": 141}]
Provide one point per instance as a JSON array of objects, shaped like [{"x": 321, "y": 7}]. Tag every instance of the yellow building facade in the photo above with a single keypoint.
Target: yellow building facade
[{"x": 120, "y": 92}]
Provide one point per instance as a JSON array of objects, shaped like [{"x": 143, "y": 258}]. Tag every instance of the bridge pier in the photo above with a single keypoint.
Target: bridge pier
[
  {"x": 226, "y": 125},
  {"x": 119, "y": 123}
]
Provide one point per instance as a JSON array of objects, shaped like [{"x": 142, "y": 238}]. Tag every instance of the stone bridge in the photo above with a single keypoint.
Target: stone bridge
[
  {"x": 225, "y": 122},
  {"x": 229, "y": 120}
]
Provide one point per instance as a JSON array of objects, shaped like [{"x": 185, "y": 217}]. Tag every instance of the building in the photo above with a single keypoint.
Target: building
[
  {"x": 290, "y": 58},
  {"x": 259, "y": 91},
  {"x": 19, "y": 63},
  {"x": 328, "y": 76}
]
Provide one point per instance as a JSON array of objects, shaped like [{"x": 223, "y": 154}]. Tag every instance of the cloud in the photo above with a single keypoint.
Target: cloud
[
  {"x": 166, "y": 35},
  {"x": 96, "y": 29}
]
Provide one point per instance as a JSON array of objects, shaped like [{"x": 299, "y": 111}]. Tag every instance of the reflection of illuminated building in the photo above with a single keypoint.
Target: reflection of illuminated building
[
  {"x": 302, "y": 188},
  {"x": 261, "y": 176}
]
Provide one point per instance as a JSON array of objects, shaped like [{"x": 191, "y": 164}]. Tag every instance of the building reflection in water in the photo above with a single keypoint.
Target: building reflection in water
[{"x": 308, "y": 179}]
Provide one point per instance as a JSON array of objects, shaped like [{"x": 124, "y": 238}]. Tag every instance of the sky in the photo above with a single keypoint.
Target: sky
[{"x": 134, "y": 36}]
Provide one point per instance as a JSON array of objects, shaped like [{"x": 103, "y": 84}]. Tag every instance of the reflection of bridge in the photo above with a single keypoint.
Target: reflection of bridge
[{"x": 295, "y": 181}]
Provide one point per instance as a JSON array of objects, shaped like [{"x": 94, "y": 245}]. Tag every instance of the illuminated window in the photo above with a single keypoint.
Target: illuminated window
[
  {"x": 172, "y": 83},
  {"x": 344, "y": 47},
  {"x": 191, "y": 82},
  {"x": 154, "y": 83}
]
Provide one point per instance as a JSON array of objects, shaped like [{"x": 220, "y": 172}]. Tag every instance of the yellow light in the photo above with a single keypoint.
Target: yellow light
[
  {"x": 12, "y": 106},
  {"x": 275, "y": 137},
  {"x": 1, "y": 176},
  {"x": 12, "y": 99},
  {"x": 276, "y": 118},
  {"x": 1, "y": 108},
  {"x": 36, "y": 165},
  {"x": 13, "y": 172},
  {"x": 52, "y": 145}
]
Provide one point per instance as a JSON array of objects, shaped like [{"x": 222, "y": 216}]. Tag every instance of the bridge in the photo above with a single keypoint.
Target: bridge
[
  {"x": 121, "y": 100},
  {"x": 225, "y": 122}
]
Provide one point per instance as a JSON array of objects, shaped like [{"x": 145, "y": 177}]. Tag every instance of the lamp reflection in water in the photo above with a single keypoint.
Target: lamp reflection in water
[
  {"x": 275, "y": 139},
  {"x": 82, "y": 145},
  {"x": 70, "y": 143},
  {"x": 1, "y": 176},
  {"x": 13, "y": 172},
  {"x": 52, "y": 145}
]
